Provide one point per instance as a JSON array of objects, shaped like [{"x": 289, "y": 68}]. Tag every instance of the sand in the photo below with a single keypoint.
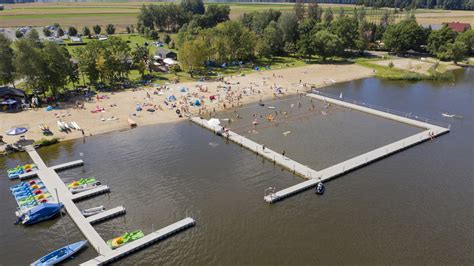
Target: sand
[
  {"x": 418, "y": 66},
  {"x": 124, "y": 103}
]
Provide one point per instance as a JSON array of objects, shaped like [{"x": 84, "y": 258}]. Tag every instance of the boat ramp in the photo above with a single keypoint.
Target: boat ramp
[
  {"x": 61, "y": 193},
  {"x": 313, "y": 176}
]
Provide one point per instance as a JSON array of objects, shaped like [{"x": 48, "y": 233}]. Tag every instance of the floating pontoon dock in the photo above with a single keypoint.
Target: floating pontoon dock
[
  {"x": 142, "y": 242},
  {"x": 340, "y": 168},
  {"x": 105, "y": 215},
  {"x": 89, "y": 193},
  {"x": 56, "y": 186},
  {"x": 56, "y": 168}
]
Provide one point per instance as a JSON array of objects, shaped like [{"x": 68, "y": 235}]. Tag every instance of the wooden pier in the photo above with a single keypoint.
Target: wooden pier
[
  {"x": 105, "y": 215},
  {"x": 337, "y": 169},
  {"x": 57, "y": 187}
]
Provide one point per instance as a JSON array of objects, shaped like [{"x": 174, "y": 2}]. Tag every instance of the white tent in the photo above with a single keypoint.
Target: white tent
[{"x": 169, "y": 61}]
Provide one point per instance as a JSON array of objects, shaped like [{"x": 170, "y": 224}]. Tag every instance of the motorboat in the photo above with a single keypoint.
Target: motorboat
[
  {"x": 60, "y": 254},
  {"x": 42, "y": 212},
  {"x": 92, "y": 211},
  {"x": 320, "y": 188}
]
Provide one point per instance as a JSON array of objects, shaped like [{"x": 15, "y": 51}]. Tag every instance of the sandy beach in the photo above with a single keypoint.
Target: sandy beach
[{"x": 233, "y": 92}]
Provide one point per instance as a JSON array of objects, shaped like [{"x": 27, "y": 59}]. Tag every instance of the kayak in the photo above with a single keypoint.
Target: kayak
[
  {"x": 84, "y": 187},
  {"x": 60, "y": 254},
  {"x": 131, "y": 122},
  {"x": 92, "y": 211},
  {"x": 124, "y": 239},
  {"x": 82, "y": 181}
]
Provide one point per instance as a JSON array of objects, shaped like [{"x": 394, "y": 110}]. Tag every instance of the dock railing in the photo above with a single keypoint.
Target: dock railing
[{"x": 384, "y": 109}]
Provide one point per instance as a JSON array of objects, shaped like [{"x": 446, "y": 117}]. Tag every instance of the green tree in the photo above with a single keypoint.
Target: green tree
[
  {"x": 467, "y": 38},
  {"x": 30, "y": 66},
  {"x": 166, "y": 38},
  {"x": 314, "y": 11},
  {"x": 328, "y": 16},
  {"x": 193, "y": 54},
  {"x": 88, "y": 56},
  {"x": 72, "y": 31},
  {"x": 60, "y": 32},
  {"x": 33, "y": 37},
  {"x": 347, "y": 29},
  {"x": 457, "y": 51},
  {"x": 110, "y": 29},
  {"x": 193, "y": 6},
  {"x": 7, "y": 68},
  {"x": 288, "y": 24},
  {"x": 326, "y": 44},
  {"x": 362, "y": 41},
  {"x": 271, "y": 43},
  {"x": 86, "y": 31},
  {"x": 140, "y": 56},
  {"x": 305, "y": 32},
  {"x": 403, "y": 36},
  {"x": 298, "y": 9},
  {"x": 58, "y": 66},
  {"x": 438, "y": 39},
  {"x": 47, "y": 32},
  {"x": 97, "y": 29},
  {"x": 18, "y": 34}
]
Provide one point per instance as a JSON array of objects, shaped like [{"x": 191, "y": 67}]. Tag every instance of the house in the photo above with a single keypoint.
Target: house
[
  {"x": 458, "y": 26},
  {"x": 163, "y": 53}
]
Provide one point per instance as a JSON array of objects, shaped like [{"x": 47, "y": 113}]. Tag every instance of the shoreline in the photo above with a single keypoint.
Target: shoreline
[{"x": 119, "y": 106}]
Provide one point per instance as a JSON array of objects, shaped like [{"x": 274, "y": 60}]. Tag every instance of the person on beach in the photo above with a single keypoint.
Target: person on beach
[{"x": 283, "y": 153}]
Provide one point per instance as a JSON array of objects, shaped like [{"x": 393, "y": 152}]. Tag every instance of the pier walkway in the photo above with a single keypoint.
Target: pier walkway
[
  {"x": 340, "y": 168},
  {"x": 56, "y": 168},
  {"x": 55, "y": 185},
  {"x": 62, "y": 194}
]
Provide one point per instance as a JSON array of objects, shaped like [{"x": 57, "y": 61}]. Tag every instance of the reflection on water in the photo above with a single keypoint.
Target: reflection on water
[{"x": 414, "y": 207}]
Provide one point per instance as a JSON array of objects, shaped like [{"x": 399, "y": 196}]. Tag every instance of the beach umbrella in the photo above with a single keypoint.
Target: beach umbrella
[{"x": 16, "y": 131}]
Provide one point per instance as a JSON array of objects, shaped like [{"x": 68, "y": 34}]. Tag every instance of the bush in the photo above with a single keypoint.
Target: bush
[
  {"x": 18, "y": 34},
  {"x": 47, "y": 142}
]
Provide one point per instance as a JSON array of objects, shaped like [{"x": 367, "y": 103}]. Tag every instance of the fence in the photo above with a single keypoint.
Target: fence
[{"x": 384, "y": 109}]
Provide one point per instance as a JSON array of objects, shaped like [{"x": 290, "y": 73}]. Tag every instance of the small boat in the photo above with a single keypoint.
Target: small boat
[
  {"x": 131, "y": 122},
  {"x": 124, "y": 239},
  {"x": 320, "y": 188},
  {"x": 286, "y": 133},
  {"x": 448, "y": 115},
  {"x": 60, "y": 126},
  {"x": 76, "y": 125},
  {"x": 92, "y": 211},
  {"x": 60, "y": 254},
  {"x": 271, "y": 107},
  {"x": 40, "y": 213},
  {"x": 85, "y": 187}
]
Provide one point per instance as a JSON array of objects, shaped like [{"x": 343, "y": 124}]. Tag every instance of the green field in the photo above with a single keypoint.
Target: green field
[{"x": 125, "y": 13}]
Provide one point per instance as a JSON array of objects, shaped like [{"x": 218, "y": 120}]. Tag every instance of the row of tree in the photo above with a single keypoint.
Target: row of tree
[
  {"x": 306, "y": 31},
  {"x": 44, "y": 67},
  {"x": 410, "y": 4},
  {"x": 444, "y": 43},
  {"x": 171, "y": 17}
]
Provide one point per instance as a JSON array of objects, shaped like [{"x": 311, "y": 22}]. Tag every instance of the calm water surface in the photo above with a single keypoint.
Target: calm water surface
[{"x": 415, "y": 207}]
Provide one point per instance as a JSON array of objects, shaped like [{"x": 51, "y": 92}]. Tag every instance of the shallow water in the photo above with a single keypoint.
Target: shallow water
[{"x": 414, "y": 207}]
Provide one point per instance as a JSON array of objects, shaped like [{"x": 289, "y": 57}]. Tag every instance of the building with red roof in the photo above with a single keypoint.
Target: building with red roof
[{"x": 458, "y": 26}]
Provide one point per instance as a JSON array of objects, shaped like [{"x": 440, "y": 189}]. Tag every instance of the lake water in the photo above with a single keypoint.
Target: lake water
[{"x": 415, "y": 207}]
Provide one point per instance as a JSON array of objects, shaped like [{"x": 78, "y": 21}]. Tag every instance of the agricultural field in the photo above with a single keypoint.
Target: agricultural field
[{"x": 125, "y": 13}]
